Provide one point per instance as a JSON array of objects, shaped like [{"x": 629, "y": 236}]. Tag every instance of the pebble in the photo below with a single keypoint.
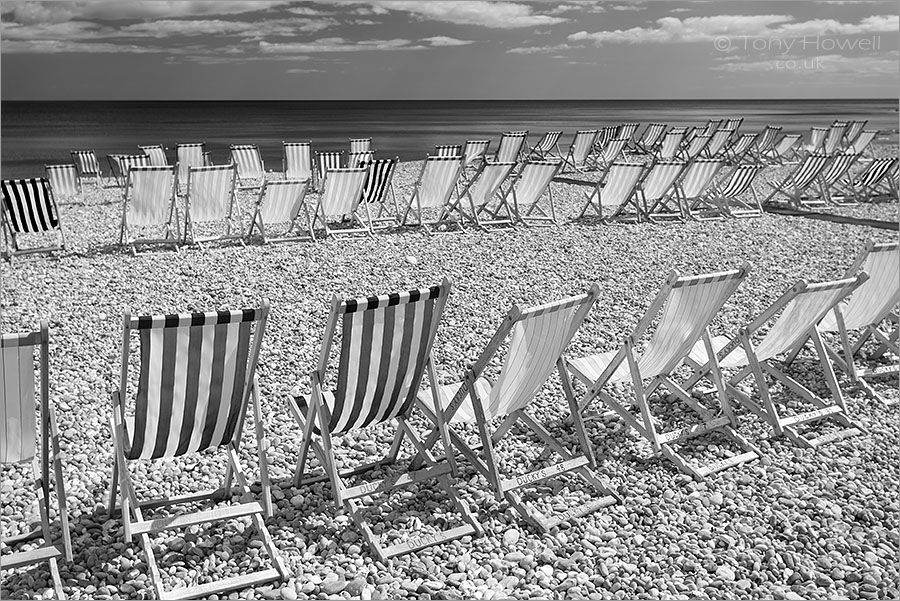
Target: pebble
[{"x": 510, "y": 537}]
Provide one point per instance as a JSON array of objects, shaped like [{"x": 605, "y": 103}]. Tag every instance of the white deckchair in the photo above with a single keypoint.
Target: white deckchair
[
  {"x": 149, "y": 203},
  {"x": 618, "y": 189},
  {"x": 156, "y": 154},
  {"x": 119, "y": 164},
  {"x": 547, "y": 146},
  {"x": 783, "y": 151},
  {"x": 432, "y": 191},
  {"x": 482, "y": 190},
  {"x": 296, "y": 162},
  {"x": 359, "y": 145},
  {"x": 736, "y": 152},
  {"x": 670, "y": 145},
  {"x": 609, "y": 154},
  {"x": 692, "y": 188},
  {"x": 512, "y": 144},
  {"x": 627, "y": 131},
  {"x": 862, "y": 142},
  {"x": 188, "y": 156},
  {"x": 653, "y": 133},
  {"x": 210, "y": 198},
  {"x": 652, "y": 199},
  {"x": 694, "y": 148},
  {"x": 717, "y": 143},
  {"x": 279, "y": 202},
  {"x": 474, "y": 153},
  {"x": 88, "y": 165},
  {"x": 528, "y": 189},
  {"x": 341, "y": 196},
  {"x": 251, "y": 171},
  {"x": 835, "y": 171},
  {"x": 578, "y": 157},
  {"x": 64, "y": 181},
  {"x": 736, "y": 196}
]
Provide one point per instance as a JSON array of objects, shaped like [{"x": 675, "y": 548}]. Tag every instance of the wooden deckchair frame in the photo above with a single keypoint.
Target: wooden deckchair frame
[
  {"x": 233, "y": 207},
  {"x": 699, "y": 206},
  {"x": 743, "y": 208},
  {"x": 597, "y": 191},
  {"x": 789, "y": 188},
  {"x": 857, "y": 188},
  {"x": 125, "y": 238},
  {"x": 360, "y": 216},
  {"x": 11, "y": 247},
  {"x": 483, "y": 214},
  {"x": 256, "y": 220},
  {"x": 235, "y": 481},
  {"x": 534, "y": 214},
  {"x": 50, "y": 550},
  {"x": 448, "y": 206}
]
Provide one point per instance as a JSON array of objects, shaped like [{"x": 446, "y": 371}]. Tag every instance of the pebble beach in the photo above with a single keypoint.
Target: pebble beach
[{"x": 797, "y": 524}]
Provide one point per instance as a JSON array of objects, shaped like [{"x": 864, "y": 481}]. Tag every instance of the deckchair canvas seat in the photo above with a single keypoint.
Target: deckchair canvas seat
[
  {"x": 29, "y": 208},
  {"x": 149, "y": 202}
]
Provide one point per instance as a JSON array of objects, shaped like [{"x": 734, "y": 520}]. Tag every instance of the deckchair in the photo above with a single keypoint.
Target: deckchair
[
  {"x": 196, "y": 378},
  {"x": 149, "y": 202},
  {"x": 653, "y": 133},
  {"x": 816, "y": 139},
  {"x": 717, "y": 143},
  {"x": 360, "y": 145},
  {"x": 188, "y": 157},
  {"x": 379, "y": 176},
  {"x": 688, "y": 304},
  {"x": 251, "y": 171},
  {"x": 764, "y": 143},
  {"x": 482, "y": 191},
  {"x": 156, "y": 154},
  {"x": 835, "y": 137},
  {"x": 359, "y": 158},
  {"x": 783, "y": 151},
  {"x": 64, "y": 181},
  {"x": 433, "y": 190},
  {"x": 694, "y": 148},
  {"x": 296, "y": 161},
  {"x": 733, "y": 124},
  {"x": 711, "y": 127},
  {"x": 618, "y": 189},
  {"x": 795, "y": 185},
  {"x": 670, "y": 144},
  {"x": 693, "y": 186},
  {"x": 861, "y": 143},
  {"x": 341, "y": 196},
  {"x": 119, "y": 164},
  {"x": 528, "y": 189},
  {"x": 739, "y": 149},
  {"x": 627, "y": 130},
  {"x": 512, "y": 143},
  {"x": 789, "y": 322},
  {"x": 279, "y": 202},
  {"x": 579, "y": 155},
  {"x": 546, "y": 146},
  {"x": 610, "y": 153},
  {"x": 736, "y": 196},
  {"x": 836, "y": 170},
  {"x": 537, "y": 339},
  {"x": 29, "y": 207},
  {"x": 868, "y": 185},
  {"x": 604, "y": 136},
  {"x": 652, "y": 199},
  {"x": 88, "y": 165},
  {"x": 385, "y": 350},
  {"x": 868, "y": 310},
  {"x": 474, "y": 153},
  {"x": 210, "y": 198},
  {"x": 448, "y": 150},
  {"x": 854, "y": 128},
  {"x": 325, "y": 162},
  {"x": 26, "y": 440}
]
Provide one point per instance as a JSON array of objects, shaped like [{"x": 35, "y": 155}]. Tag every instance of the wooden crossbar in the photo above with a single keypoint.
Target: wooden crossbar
[
  {"x": 543, "y": 473},
  {"x": 723, "y": 464},
  {"x": 24, "y": 558},
  {"x": 692, "y": 431},
  {"x": 201, "y": 517},
  {"x": 387, "y": 484},
  {"x": 577, "y": 512},
  {"x": 422, "y": 542},
  {"x": 226, "y": 584},
  {"x": 809, "y": 416}
]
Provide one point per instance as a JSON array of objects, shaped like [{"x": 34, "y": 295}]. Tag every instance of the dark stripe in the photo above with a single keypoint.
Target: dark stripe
[
  {"x": 195, "y": 347},
  {"x": 409, "y": 326},
  {"x": 385, "y": 366},
  {"x": 340, "y": 395},
  {"x": 167, "y": 390},
  {"x": 171, "y": 321},
  {"x": 237, "y": 391},
  {"x": 214, "y": 400},
  {"x": 140, "y": 409},
  {"x": 365, "y": 363}
]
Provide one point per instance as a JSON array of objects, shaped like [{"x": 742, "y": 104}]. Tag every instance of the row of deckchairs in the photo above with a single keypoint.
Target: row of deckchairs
[{"x": 196, "y": 381}]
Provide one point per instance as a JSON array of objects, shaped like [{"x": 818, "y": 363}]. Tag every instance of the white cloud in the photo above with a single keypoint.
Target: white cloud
[
  {"x": 57, "y": 12},
  {"x": 498, "y": 15},
  {"x": 179, "y": 27},
  {"x": 539, "y": 49},
  {"x": 296, "y": 70},
  {"x": 442, "y": 40},
  {"x": 73, "y": 47},
  {"x": 336, "y": 45}
]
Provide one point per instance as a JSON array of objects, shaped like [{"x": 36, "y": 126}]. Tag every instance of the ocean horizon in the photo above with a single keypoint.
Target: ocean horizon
[{"x": 36, "y": 133}]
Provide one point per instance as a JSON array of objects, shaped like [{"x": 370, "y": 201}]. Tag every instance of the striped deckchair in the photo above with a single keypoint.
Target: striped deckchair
[
  {"x": 609, "y": 154},
  {"x": 717, "y": 143},
  {"x": 251, "y": 171},
  {"x": 340, "y": 198},
  {"x": 188, "y": 156},
  {"x": 692, "y": 188},
  {"x": 148, "y": 204},
  {"x": 26, "y": 440},
  {"x": 385, "y": 350},
  {"x": 433, "y": 190},
  {"x": 296, "y": 161},
  {"x": 119, "y": 164},
  {"x": 652, "y": 195},
  {"x": 653, "y": 133},
  {"x": 795, "y": 185},
  {"x": 736, "y": 152},
  {"x": 579, "y": 155},
  {"x": 88, "y": 165},
  {"x": 670, "y": 145},
  {"x": 783, "y": 151},
  {"x": 279, "y": 202},
  {"x": 196, "y": 378},
  {"x": 64, "y": 181},
  {"x": 870, "y": 184},
  {"x": 764, "y": 143},
  {"x": 448, "y": 150},
  {"x": 29, "y": 207},
  {"x": 862, "y": 142},
  {"x": 512, "y": 144},
  {"x": 711, "y": 127},
  {"x": 360, "y": 145},
  {"x": 474, "y": 153},
  {"x": 156, "y": 154},
  {"x": 618, "y": 189},
  {"x": 835, "y": 137},
  {"x": 750, "y": 353},
  {"x": 528, "y": 188},
  {"x": 871, "y": 311},
  {"x": 854, "y": 128},
  {"x": 546, "y": 146},
  {"x": 733, "y": 124},
  {"x": 604, "y": 136},
  {"x": 736, "y": 196},
  {"x": 482, "y": 191},
  {"x": 538, "y": 338},
  {"x": 694, "y": 148},
  {"x": 360, "y": 158},
  {"x": 325, "y": 162},
  {"x": 379, "y": 176},
  {"x": 817, "y": 139},
  {"x": 627, "y": 131},
  {"x": 688, "y": 304},
  {"x": 835, "y": 171},
  {"x": 210, "y": 199}
]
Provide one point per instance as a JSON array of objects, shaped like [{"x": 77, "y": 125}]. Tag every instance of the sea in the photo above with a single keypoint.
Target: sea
[{"x": 36, "y": 133}]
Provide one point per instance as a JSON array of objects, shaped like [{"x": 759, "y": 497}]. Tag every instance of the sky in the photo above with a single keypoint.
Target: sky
[{"x": 456, "y": 49}]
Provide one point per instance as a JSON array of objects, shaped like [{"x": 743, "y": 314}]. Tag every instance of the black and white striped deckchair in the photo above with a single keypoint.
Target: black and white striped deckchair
[
  {"x": 854, "y": 128},
  {"x": 789, "y": 322},
  {"x": 279, "y": 202},
  {"x": 187, "y": 157},
  {"x": 119, "y": 164},
  {"x": 835, "y": 171},
  {"x": 609, "y": 154},
  {"x": 604, "y": 135},
  {"x": 379, "y": 176},
  {"x": 618, "y": 189},
  {"x": 297, "y": 161},
  {"x": 627, "y": 131},
  {"x": 795, "y": 185},
  {"x": 210, "y": 199},
  {"x": 512, "y": 145},
  {"x": 64, "y": 181},
  {"x": 670, "y": 145},
  {"x": 25, "y": 439},
  {"x": 433, "y": 191},
  {"x": 196, "y": 380},
  {"x": 474, "y": 153},
  {"x": 736, "y": 196},
  {"x": 88, "y": 165},
  {"x": 870, "y": 184},
  {"x": 527, "y": 190},
  {"x": 29, "y": 207},
  {"x": 448, "y": 150},
  {"x": 684, "y": 306},
  {"x": 653, "y": 133},
  {"x": 360, "y": 158},
  {"x": 546, "y": 146},
  {"x": 341, "y": 197},
  {"x": 485, "y": 196},
  {"x": 251, "y": 171},
  {"x": 717, "y": 143},
  {"x": 157, "y": 155},
  {"x": 733, "y": 124},
  {"x": 657, "y": 200},
  {"x": 537, "y": 337},
  {"x": 148, "y": 205},
  {"x": 326, "y": 161},
  {"x": 737, "y": 151},
  {"x": 764, "y": 143},
  {"x": 360, "y": 145},
  {"x": 579, "y": 154},
  {"x": 692, "y": 188},
  {"x": 385, "y": 350}
]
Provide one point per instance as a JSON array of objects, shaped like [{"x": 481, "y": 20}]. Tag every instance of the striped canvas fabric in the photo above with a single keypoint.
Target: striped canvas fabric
[
  {"x": 809, "y": 170},
  {"x": 249, "y": 162},
  {"x": 438, "y": 179},
  {"x": 547, "y": 142},
  {"x": 121, "y": 163},
  {"x": 447, "y": 150},
  {"x": 358, "y": 158},
  {"x": 875, "y": 298},
  {"x": 511, "y": 145},
  {"x": 17, "y": 402},
  {"x": 189, "y": 156},
  {"x": 620, "y": 183},
  {"x": 612, "y": 150},
  {"x": 835, "y": 137},
  {"x": 696, "y": 146},
  {"x": 734, "y": 124},
  {"x": 698, "y": 177},
  {"x": 378, "y": 179},
  {"x": 670, "y": 144},
  {"x": 739, "y": 181},
  {"x": 652, "y": 133},
  {"x": 862, "y": 141},
  {"x": 488, "y": 182},
  {"x": 156, "y": 154},
  {"x": 149, "y": 195},
  {"x": 854, "y": 128},
  {"x": 86, "y": 161},
  {"x": 63, "y": 179},
  {"x": 817, "y": 136},
  {"x": 326, "y": 161},
  {"x": 604, "y": 135},
  {"x": 717, "y": 142},
  {"x": 742, "y": 145},
  {"x": 280, "y": 200},
  {"x": 837, "y": 168},
  {"x": 627, "y": 130},
  {"x": 192, "y": 381},
  {"x": 877, "y": 170},
  {"x": 712, "y": 126},
  {"x": 360, "y": 145},
  {"x": 785, "y": 144},
  {"x": 210, "y": 192},
  {"x": 342, "y": 190},
  {"x": 767, "y": 139},
  {"x": 533, "y": 181},
  {"x": 582, "y": 145},
  {"x": 474, "y": 151},
  {"x": 297, "y": 160},
  {"x": 385, "y": 344},
  {"x": 660, "y": 179},
  {"x": 29, "y": 205}
]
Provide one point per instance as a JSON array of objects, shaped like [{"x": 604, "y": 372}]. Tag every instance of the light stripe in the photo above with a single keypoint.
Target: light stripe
[
  {"x": 342, "y": 191},
  {"x": 63, "y": 179},
  {"x": 807, "y": 172},
  {"x": 86, "y": 161},
  {"x": 297, "y": 160},
  {"x": 280, "y": 201},
  {"x": 739, "y": 181},
  {"x": 447, "y": 150},
  {"x": 326, "y": 161},
  {"x": 670, "y": 144},
  {"x": 787, "y": 142},
  {"x": 767, "y": 138},
  {"x": 837, "y": 168},
  {"x": 853, "y": 131},
  {"x": 652, "y": 133},
  {"x": 612, "y": 150},
  {"x": 717, "y": 142},
  {"x": 582, "y": 145},
  {"x": 698, "y": 143},
  {"x": 742, "y": 145},
  {"x": 834, "y": 138},
  {"x": 210, "y": 192},
  {"x": 438, "y": 180},
  {"x": 149, "y": 195},
  {"x": 862, "y": 141},
  {"x": 533, "y": 181},
  {"x": 626, "y": 130},
  {"x": 817, "y": 136},
  {"x": 360, "y": 145}
]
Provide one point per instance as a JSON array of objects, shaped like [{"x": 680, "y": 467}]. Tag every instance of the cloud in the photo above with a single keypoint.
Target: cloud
[
  {"x": 74, "y": 47},
  {"x": 882, "y": 66},
  {"x": 539, "y": 49},
  {"x": 57, "y": 12},
  {"x": 442, "y": 40},
  {"x": 297, "y": 70},
  {"x": 336, "y": 45},
  {"x": 179, "y": 27},
  {"x": 497, "y": 15}
]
